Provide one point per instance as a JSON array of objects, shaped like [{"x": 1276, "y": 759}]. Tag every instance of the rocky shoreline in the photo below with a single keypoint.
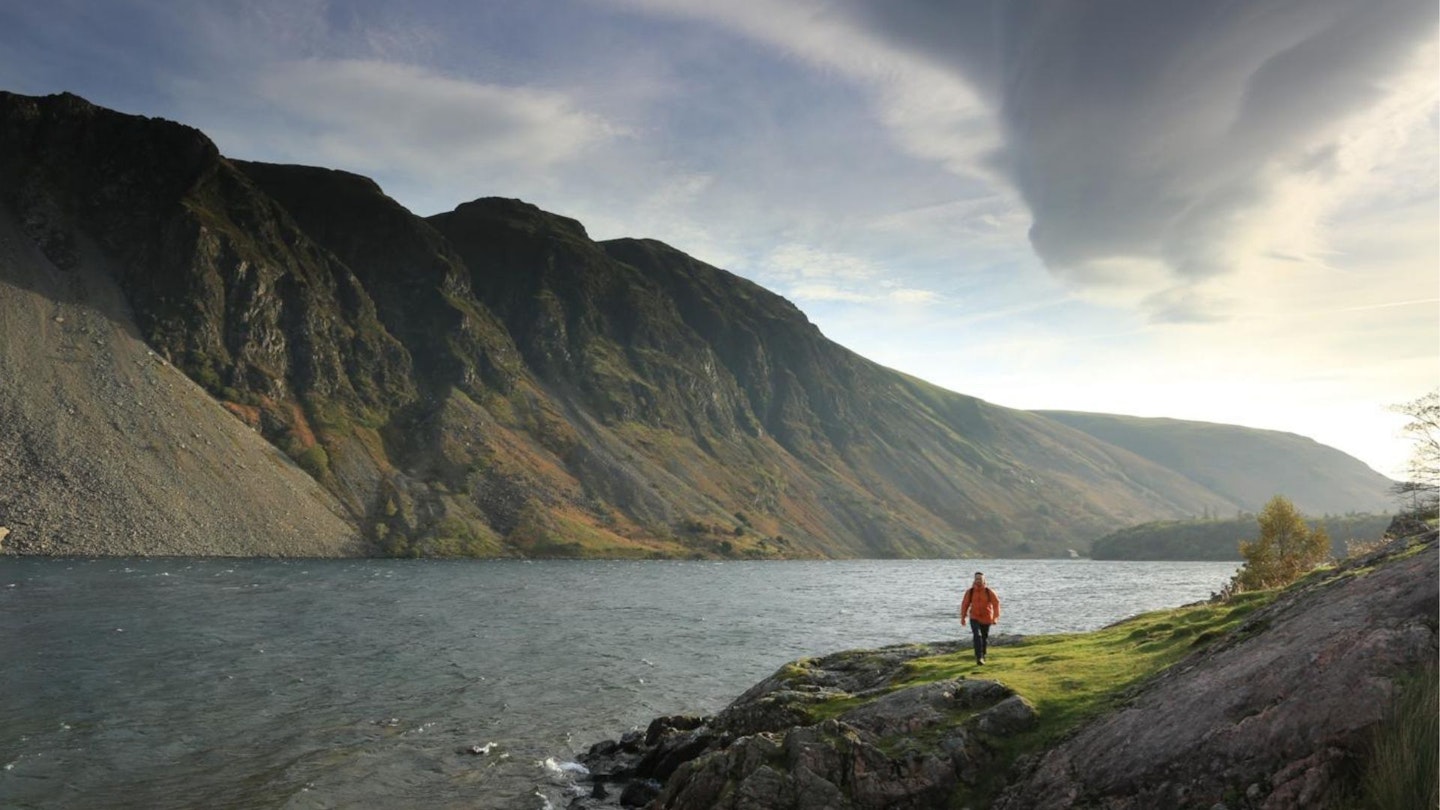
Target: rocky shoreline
[
  {"x": 1277, "y": 713},
  {"x": 898, "y": 745}
]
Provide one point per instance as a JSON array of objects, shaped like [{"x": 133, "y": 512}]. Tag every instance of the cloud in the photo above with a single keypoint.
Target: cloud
[
  {"x": 992, "y": 220},
  {"x": 933, "y": 112},
  {"x": 1155, "y": 145},
  {"x": 1159, "y": 131},
  {"x": 1184, "y": 305},
  {"x": 370, "y": 115},
  {"x": 809, "y": 262},
  {"x": 807, "y": 273},
  {"x": 909, "y": 295},
  {"x": 826, "y": 293}
]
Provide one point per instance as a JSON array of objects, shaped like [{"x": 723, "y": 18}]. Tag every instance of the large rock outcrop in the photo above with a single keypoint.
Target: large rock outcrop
[
  {"x": 1276, "y": 713},
  {"x": 907, "y": 747}
]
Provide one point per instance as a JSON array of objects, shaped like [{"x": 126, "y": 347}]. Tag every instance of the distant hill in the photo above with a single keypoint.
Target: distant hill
[
  {"x": 489, "y": 381},
  {"x": 1246, "y": 466},
  {"x": 1219, "y": 539}
]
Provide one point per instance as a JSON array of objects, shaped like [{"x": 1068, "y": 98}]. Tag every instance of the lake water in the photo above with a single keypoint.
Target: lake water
[{"x": 177, "y": 683}]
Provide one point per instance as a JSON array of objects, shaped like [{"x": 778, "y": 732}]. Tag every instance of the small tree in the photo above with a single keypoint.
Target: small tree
[
  {"x": 1423, "y": 471},
  {"x": 1285, "y": 550}
]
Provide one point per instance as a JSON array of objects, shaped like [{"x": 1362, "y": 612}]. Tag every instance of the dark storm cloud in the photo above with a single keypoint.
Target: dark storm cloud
[{"x": 1143, "y": 130}]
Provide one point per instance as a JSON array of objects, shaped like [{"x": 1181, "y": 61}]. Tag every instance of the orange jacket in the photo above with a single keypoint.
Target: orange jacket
[{"x": 982, "y": 606}]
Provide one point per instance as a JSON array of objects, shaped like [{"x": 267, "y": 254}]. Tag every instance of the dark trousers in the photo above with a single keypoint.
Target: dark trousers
[{"x": 981, "y": 632}]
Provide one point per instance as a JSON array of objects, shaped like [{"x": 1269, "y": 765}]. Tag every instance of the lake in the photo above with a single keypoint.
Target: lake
[{"x": 176, "y": 683}]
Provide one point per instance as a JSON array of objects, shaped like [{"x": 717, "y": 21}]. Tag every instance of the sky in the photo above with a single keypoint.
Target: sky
[{"x": 1220, "y": 211}]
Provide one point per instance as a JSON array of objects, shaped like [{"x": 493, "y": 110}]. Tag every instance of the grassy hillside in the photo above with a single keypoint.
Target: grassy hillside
[{"x": 1245, "y": 465}]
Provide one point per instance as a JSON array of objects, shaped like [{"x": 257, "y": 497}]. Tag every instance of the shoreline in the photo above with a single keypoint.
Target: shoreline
[{"x": 911, "y": 723}]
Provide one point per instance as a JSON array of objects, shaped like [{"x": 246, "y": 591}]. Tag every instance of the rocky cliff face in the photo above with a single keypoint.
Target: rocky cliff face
[
  {"x": 492, "y": 381},
  {"x": 105, "y": 446},
  {"x": 1278, "y": 713}
]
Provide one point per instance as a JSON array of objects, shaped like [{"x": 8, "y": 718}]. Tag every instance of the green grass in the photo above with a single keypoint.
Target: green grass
[
  {"x": 1400, "y": 771},
  {"x": 1415, "y": 547},
  {"x": 834, "y": 707},
  {"x": 1071, "y": 678}
]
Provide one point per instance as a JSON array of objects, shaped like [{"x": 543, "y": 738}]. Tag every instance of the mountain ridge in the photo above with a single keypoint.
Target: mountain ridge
[
  {"x": 490, "y": 381},
  {"x": 1199, "y": 450}
]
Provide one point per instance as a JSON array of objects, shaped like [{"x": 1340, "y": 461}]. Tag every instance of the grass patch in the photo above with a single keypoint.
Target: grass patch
[
  {"x": 1414, "y": 548},
  {"x": 834, "y": 707},
  {"x": 1399, "y": 772},
  {"x": 455, "y": 537},
  {"x": 1071, "y": 678},
  {"x": 797, "y": 671},
  {"x": 555, "y": 532}
]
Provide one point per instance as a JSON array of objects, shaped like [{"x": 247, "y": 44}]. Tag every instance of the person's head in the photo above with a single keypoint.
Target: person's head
[{"x": 979, "y": 579}]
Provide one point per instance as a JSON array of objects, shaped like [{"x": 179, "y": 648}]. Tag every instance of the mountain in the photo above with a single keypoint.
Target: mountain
[
  {"x": 104, "y": 446},
  {"x": 488, "y": 381},
  {"x": 1247, "y": 466}
]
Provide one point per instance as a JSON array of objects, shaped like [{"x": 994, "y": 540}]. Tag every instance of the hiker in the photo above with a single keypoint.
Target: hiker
[{"x": 982, "y": 607}]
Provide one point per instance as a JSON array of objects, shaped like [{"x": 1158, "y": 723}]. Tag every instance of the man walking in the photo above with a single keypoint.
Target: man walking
[{"x": 982, "y": 608}]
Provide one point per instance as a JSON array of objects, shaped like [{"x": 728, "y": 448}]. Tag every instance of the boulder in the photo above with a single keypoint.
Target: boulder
[
  {"x": 784, "y": 699},
  {"x": 905, "y": 747},
  {"x": 878, "y": 755},
  {"x": 1010, "y": 716},
  {"x": 639, "y": 793},
  {"x": 917, "y": 708},
  {"x": 674, "y": 748}
]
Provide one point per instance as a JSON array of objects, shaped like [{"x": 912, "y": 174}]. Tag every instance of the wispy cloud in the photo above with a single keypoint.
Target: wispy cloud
[
  {"x": 810, "y": 274},
  {"x": 933, "y": 112},
  {"x": 909, "y": 295},
  {"x": 372, "y": 115}
]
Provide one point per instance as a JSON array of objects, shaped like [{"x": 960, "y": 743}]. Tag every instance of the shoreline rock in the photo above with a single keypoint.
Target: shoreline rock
[
  {"x": 907, "y": 747},
  {"x": 1273, "y": 715}
]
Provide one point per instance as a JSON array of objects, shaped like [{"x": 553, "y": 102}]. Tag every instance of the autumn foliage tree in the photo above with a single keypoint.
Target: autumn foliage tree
[{"x": 1285, "y": 549}]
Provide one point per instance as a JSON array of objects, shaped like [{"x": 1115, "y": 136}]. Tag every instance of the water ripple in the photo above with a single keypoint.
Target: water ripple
[{"x": 364, "y": 683}]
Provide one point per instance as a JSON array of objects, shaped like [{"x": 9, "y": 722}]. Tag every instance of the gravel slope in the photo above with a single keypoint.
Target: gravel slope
[{"x": 105, "y": 449}]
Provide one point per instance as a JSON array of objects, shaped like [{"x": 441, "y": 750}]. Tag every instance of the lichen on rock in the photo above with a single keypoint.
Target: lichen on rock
[{"x": 889, "y": 745}]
